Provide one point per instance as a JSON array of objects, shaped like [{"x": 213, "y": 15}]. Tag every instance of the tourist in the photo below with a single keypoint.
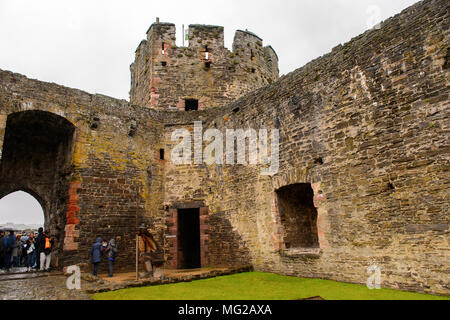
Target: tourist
[
  {"x": 23, "y": 251},
  {"x": 15, "y": 253},
  {"x": 34, "y": 258},
  {"x": 46, "y": 253},
  {"x": 39, "y": 240},
  {"x": 96, "y": 253},
  {"x": 10, "y": 245},
  {"x": 111, "y": 253},
  {"x": 30, "y": 249},
  {"x": 2, "y": 249}
]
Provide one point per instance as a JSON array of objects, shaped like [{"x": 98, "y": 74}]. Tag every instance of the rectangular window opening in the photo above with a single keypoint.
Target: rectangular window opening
[
  {"x": 191, "y": 104},
  {"x": 298, "y": 216},
  {"x": 161, "y": 154}
]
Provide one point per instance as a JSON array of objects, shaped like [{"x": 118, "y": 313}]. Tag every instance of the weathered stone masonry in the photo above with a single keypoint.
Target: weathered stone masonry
[{"x": 364, "y": 127}]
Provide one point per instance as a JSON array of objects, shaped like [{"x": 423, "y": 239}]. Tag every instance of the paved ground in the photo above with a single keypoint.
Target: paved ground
[
  {"x": 37, "y": 286},
  {"x": 123, "y": 277},
  {"x": 21, "y": 285}
]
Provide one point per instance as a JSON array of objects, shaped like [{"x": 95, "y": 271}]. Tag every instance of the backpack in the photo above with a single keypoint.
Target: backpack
[
  {"x": 114, "y": 252},
  {"x": 48, "y": 244}
]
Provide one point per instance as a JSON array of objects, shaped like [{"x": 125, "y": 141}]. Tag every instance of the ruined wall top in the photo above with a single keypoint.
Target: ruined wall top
[{"x": 164, "y": 76}]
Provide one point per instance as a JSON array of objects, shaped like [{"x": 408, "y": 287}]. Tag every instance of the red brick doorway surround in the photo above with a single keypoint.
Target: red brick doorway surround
[{"x": 173, "y": 233}]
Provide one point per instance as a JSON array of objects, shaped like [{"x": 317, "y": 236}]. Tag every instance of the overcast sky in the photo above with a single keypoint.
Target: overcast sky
[
  {"x": 89, "y": 44},
  {"x": 21, "y": 208}
]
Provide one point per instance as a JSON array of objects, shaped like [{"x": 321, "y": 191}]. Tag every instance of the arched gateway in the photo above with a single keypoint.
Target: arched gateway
[{"x": 37, "y": 158}]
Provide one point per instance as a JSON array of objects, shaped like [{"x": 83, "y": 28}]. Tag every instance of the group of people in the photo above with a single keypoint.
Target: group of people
[
  {"x": 151, "y": 255},
  {"x": 32, "y": 251},
  {"x": 35, "y": 252},
  {"x": 102, "y": 248}
]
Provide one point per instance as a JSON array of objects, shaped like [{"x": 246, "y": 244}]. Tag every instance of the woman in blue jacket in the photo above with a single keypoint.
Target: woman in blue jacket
[{"x": 96, "y": 253}]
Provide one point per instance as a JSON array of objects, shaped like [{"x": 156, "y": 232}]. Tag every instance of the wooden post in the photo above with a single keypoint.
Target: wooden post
[{"x": 137, "y": 256}]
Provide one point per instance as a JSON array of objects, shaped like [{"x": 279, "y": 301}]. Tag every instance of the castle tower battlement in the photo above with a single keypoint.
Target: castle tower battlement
[{"x": 203, "y": 74}]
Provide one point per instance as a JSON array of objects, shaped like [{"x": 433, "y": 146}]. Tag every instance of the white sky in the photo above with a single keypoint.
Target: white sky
[
  {"x": 21, "y": 208},
  {"x": 89, "y": 44}
]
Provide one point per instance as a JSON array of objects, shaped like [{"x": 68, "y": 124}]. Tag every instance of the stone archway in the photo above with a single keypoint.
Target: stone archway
[{"x": 37, "y": 158}]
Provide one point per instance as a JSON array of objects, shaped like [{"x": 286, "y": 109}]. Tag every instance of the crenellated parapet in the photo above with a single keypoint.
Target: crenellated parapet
[{"x": 204, "y": 74}]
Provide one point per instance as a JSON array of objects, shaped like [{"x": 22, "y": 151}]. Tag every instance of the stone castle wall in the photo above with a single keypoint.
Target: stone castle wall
[
  {"x": 365, "y": 125},
  {"x": 113, "y": 162}
]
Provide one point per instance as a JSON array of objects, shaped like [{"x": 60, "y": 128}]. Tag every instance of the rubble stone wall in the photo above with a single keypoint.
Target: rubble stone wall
[
  {"x": 113, "y": 164},
  {"x": 366, "y": 126}
]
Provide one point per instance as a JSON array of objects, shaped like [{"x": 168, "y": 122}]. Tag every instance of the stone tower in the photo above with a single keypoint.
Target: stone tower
[{"x": 203, "y": 75}]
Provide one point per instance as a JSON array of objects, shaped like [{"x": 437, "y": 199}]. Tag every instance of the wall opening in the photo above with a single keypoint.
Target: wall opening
[
  {"x": 37, "y": 158},
  {"x": 318, "y": 161},
  {"x": 189, "y": 239},
  {"x": 191, "y": 104},
  {"x": 298, "y": 216},
  {"x": 161, "y": 154}
]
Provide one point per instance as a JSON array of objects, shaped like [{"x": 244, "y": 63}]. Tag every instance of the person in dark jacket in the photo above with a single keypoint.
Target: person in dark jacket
[
  {"x": 29, "y": 247},
  {"x": 16, "y": 251},
  {"x": 40, "y": 242},
  {"x": 46, "y": 252},
  {"x": 10, "y": 245},
  {"x": 111, "y": 253},
  {"x": 23, "y": 251},
  {"x": 2, "y": 249},
  {"x": 96, "y": 253}
]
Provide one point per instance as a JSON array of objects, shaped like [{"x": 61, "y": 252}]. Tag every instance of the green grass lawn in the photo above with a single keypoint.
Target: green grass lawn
[{"x": 260, "y": 286}]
